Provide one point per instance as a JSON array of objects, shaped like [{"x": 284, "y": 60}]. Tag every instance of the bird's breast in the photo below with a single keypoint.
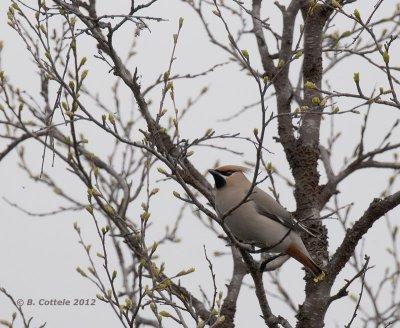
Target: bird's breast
[{"x": 249, "y": 226}]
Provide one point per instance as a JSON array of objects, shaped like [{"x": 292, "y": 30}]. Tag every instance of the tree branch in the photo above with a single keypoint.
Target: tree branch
[{"x": 376, "y": 209}]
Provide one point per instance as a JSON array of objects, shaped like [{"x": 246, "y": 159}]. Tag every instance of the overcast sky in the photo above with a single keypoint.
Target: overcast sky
[{"x": 38, "y": 256}]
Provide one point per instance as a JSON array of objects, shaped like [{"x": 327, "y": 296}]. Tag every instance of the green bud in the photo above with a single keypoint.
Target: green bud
[
  {"x": 154, "y": 247},
  {"x": 245, "y": 54},
  {"x": 386, "y": 57},
  {"x": 270, "y": 168},
  {"x": 43, "y": 29},
  {"x": 89, "y": 208},
  {"x": 164, "y": 314},
  {"x": 169, "y": 86},
  {"x": 208, "y": 132},
  {"x": 220, "y": 319},
  {"x": 84, "y": 74},
  {"x": 69, "y": 114},
  {"x": 64, "y": 105},
  {"x": 111, "y": 118},
  {"x": 154, "y": 191},
  {"x": 128, "y": 303},
  {"x": 81, "y": 272},
  {"x": 100, "y": 297},
  {"x": 109, "y": 210},
  {"x": 345, "y": 34},
  {"x": 309, "y": 85},
  {"x": 145, "y": 216},
  {"x": 357, "y": 15},
  {"x": 336, "y": 4},
  {"x": 298, "y": 54},
  {"x": 356, "y": 77},
  {"x": 166, "y": 76},
  {"x": 315, "y": 100}
]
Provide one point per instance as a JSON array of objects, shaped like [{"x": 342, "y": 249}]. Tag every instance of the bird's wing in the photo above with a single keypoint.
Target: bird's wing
[{"x": 270, "y": 208}]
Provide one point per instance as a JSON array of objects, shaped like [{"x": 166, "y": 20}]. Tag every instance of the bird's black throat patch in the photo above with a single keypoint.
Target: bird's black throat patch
[{"x": 219, "y": 181}]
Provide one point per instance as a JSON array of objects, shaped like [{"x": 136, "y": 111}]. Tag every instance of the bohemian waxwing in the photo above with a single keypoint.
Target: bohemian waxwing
[{"x": 261, "y": 220}]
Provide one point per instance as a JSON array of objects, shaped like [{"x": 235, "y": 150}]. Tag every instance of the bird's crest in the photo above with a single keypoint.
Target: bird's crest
[{"x": 231, "y": 169}]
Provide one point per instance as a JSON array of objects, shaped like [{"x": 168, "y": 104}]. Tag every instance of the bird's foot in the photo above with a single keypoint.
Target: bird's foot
[{"x": 320, "y": 277}]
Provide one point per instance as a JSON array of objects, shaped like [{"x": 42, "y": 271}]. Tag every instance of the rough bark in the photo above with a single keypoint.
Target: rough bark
[{"x": 303, "y": 152}]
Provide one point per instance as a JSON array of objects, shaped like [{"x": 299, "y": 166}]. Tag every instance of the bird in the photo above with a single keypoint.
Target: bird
[{"x": 260, "y": 219}]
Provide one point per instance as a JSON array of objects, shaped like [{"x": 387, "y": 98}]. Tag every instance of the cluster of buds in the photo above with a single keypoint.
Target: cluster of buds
[{"x": 145, "y": 216}]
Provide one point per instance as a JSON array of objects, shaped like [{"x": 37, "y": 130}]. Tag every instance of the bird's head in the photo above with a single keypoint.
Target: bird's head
[{"x": 227, "y": 174}]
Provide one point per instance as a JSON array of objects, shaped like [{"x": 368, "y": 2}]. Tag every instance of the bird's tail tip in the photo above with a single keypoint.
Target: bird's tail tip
[
  {"x": 318, "y": 273},
  {"x": 320, "y": 277},
  {"x": 306, "y": 260}
]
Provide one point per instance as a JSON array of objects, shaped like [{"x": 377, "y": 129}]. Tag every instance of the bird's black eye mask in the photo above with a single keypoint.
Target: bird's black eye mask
[
  {"x": 225, "y": 173},
  {"x": 219, "y": 179}
]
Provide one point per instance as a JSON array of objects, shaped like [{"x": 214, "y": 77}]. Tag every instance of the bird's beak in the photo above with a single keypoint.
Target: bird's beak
[
  {"x": 214, "y": 173},
  {"x": 219, "y": 179}
]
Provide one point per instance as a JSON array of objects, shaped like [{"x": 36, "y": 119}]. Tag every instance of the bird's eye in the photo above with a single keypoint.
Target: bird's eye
[{"x": 226, "y": 173}]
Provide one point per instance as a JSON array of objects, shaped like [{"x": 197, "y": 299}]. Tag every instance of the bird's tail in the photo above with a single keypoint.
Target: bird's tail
[{"x": 300, "y": 256}]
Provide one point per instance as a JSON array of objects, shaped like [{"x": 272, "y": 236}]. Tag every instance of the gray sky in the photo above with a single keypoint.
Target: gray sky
[{"x": 39, "y": 255}]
